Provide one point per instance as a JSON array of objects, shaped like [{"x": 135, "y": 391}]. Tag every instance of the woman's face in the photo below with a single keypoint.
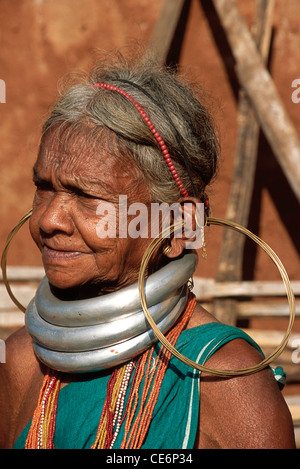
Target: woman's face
[{"x": 73, "y": 182}]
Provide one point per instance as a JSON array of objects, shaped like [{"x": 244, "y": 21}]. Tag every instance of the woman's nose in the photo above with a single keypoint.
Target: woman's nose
[{"x": 56, "y": 216}]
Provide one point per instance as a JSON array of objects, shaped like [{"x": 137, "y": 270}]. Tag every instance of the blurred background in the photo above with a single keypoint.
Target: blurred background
[{"x": 43, "y": 40}]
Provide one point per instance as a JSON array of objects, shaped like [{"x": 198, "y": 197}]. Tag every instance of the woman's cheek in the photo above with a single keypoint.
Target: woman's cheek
[{"x": 34, "y": 229}]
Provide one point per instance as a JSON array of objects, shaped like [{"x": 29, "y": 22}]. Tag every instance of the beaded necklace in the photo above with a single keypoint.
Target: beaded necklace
[{"x": 136, "y": 415}]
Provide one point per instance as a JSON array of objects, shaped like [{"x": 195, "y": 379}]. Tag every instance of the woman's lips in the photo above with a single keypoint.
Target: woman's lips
[{"x": 56, "y": 254}]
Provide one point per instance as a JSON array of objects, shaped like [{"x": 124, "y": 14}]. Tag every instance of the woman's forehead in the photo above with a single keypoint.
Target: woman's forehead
[
  {"x": 78, "y": 157},
  {"x": 79, "y": 145}
]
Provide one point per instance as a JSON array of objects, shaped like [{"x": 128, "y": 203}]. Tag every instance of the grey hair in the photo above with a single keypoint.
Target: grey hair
[{"x": 179, "y": 116}]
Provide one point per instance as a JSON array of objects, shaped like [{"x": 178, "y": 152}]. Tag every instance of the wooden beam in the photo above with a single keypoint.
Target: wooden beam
[
  {"x": 258, "y": 309},
  {"x": 263, "y": 309},
  {"x": 164, "y": 30},
  {"x": 273, "y": 338},
  {"x": 245, "y": 310},
  {"x": 209, "y": 288},
  {"x": 24, "y": 273},
  {"x": 23, "y": 293},
  {"x": 12, "y": 319},
  {"x": 261, "y": 90},
  {"x": 231, "y": 255},
  {"x": 232, "y": 249},
  {"x": 24, "y": 280}
]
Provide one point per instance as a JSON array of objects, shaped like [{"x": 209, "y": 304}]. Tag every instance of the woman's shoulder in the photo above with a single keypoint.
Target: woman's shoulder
[
  {"x": 204, "y": 330},
  {"x": 239, "y": 411},
  {"x": 19, "y": 352},
  {"x": 17, "y": 375},
  {"x": 248, "y": 411},
  {"x": 21, "y": 364}
]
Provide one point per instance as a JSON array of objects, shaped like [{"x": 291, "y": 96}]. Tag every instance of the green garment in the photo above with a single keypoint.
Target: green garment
[{"x": 175, "y": 417}]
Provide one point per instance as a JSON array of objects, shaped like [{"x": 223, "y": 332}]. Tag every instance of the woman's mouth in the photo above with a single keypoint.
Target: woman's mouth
[{"x": 56, "y": 254}]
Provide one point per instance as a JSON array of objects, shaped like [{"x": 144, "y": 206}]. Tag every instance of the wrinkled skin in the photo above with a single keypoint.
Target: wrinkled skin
[
  {"x": 64, "y": 219},
  {"x": 239, "y": 412}
]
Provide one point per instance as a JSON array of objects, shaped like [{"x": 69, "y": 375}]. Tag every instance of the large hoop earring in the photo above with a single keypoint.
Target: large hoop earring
[
  {"x": 218, "y": 372},
  {"x": 4, "y": 258},
  {"x": 141, "y": 283}
]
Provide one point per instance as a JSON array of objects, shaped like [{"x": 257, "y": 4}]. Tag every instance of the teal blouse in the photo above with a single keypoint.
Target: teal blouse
[{"x": 175, "y": 418}]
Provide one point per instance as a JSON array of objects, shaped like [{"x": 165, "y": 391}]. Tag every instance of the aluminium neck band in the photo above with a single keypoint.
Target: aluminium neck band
[{"x": 103, "y": 332}]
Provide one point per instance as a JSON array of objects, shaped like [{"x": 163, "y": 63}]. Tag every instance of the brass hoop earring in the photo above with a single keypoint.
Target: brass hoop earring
[
  {"x": 141, "y": 281},
  {"x": 218, "y": 372},
  {"x": 4, "y": 258},
  {"x": 167, "y": 249}
]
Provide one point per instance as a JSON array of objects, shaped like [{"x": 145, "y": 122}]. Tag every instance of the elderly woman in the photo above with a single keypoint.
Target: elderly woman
[{"x": 87, "y": 371}]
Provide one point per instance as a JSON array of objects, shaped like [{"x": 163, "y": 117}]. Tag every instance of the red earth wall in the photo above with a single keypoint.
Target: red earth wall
[{"x": 42, "y": 40}]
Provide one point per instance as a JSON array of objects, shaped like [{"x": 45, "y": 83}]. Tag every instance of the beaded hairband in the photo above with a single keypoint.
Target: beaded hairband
[
  {"x": 154, "y": 131},
  {"x": 156, "y": 242}
]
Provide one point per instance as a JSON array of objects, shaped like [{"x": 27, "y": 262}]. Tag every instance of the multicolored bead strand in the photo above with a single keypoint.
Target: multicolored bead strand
[
  {"x": 118, "y": 418},
  {"x": 41, "y": 433},
  {"x": 110, "y": 420},
  {"x": 147, "y": 376},
  {"x": 136, "y": 427}
]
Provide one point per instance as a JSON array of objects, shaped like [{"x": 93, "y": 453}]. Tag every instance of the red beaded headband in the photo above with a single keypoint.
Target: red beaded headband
[{"x": 155, "y": 133}]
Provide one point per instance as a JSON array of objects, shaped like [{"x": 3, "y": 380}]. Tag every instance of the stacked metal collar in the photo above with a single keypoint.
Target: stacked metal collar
[{"x": 102, "y": 332}]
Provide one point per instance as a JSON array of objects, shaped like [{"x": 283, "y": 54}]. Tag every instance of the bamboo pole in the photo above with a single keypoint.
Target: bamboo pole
[
  {"x": 205, "y": 289},
  {"x": 164, "y": 30},
  {"x": 232, "y": 248},
  {"x": 259, "y": 86}
]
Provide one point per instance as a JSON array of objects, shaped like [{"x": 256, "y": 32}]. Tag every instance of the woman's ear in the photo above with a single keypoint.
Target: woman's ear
[{"x": 189, "y": 223}]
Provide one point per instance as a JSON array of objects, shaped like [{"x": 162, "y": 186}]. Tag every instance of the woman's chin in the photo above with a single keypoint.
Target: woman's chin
[
  {"x": 63, "y": 281},
  {"x": 70, "y": 287}
]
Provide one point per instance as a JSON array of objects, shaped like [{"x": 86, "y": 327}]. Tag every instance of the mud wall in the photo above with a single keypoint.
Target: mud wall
[{"x": 42, "y": 40}]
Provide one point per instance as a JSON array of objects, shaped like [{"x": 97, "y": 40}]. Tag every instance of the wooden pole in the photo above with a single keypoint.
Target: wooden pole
[
  {"x": 260, "y": 88},
  {"x": 164, "y": 30},
  {"x": 232, "y": 248}
]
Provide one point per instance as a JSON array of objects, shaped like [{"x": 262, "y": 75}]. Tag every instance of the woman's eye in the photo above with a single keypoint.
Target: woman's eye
[
  {"x": 86, "y": 196},
  {"x": 86, "y": 200},
  {"x": 43, "y": 186}
]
